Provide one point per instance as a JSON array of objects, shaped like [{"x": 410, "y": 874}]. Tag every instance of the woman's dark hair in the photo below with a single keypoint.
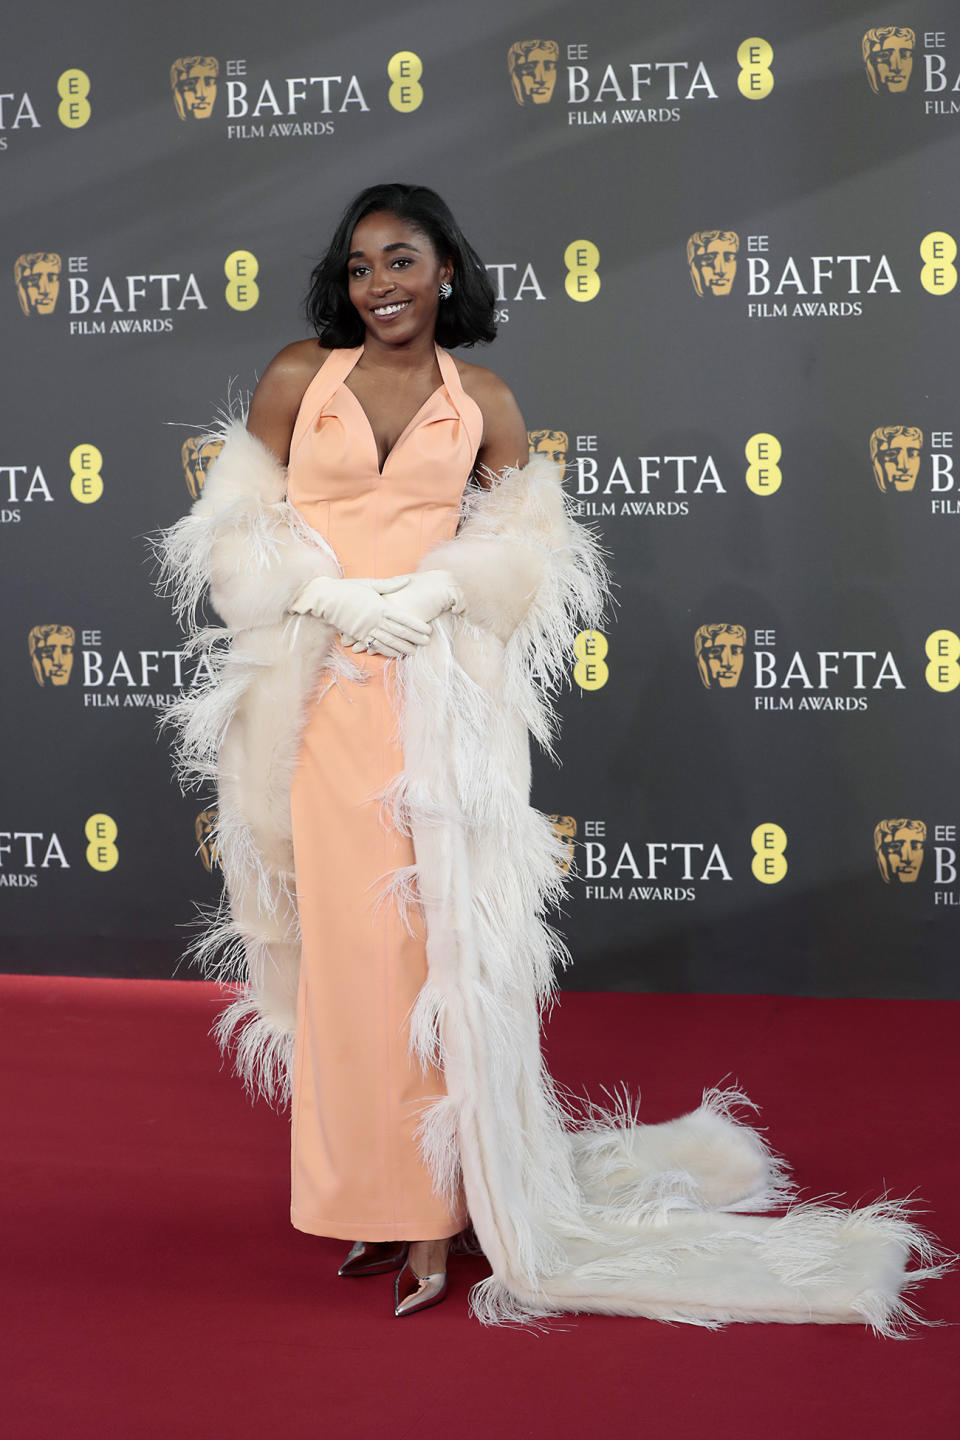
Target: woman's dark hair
[{"x": 462, "y": 320}]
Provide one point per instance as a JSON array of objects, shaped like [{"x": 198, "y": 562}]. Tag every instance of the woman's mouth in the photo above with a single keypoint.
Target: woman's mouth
[{"x": 387, "y": 312}]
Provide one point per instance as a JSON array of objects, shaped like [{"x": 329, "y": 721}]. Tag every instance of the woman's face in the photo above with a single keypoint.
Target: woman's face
[{"x": 394, "y": 277}]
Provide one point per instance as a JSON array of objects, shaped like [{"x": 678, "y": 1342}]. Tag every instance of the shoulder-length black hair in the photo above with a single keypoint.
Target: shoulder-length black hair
[{"x": 462, "y": 320}]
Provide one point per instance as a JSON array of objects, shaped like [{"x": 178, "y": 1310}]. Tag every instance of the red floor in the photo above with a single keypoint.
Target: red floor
[{"x": 154, "y": 1286}]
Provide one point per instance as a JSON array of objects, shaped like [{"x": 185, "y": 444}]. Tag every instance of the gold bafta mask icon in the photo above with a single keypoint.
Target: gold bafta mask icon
[
  {"x": 37, "y": 278},
  {"x": 197, "y": 454},
  {"x": 205, "y": 830},
  {"x": 533, "y": 70},
  {"x": 899, "y": 847},
  {"x": 712, "y": 258},
  {"x": 895, "y": 452},
  {"x": 552, "y": 443},
  {"x": 51, "y": 653},
  {"x": 888, "y": 57},
  {"x": 565, "y": 829},
  {"x": 719, "y": 651},
  {"x": 193, "y": 81}
]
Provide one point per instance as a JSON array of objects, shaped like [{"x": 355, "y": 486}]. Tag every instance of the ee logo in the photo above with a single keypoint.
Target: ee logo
[
  {"x": 755, "y": 80},
  {"x": 581, "y": 258},
  {"x": 768, "y": 843},
  {"x": 943, "y": 652},
  {"x": 763, "y": 473},
  {"x": 405, "y": 69},
  {"x": 86, "y": 483},
  {"x": 241, "y": 268},
  {"x": 938, "y": 250},
  {"x": 590, "y": 671},
  {"x": 73, "y": 87},
  {"x": 101, "y": 832}
]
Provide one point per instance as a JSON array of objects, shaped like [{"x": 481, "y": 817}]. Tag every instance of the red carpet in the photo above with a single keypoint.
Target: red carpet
[{"x": 155, "y": 1288}]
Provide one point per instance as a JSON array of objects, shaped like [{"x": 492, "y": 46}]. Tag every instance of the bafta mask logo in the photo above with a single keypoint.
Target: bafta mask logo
[
  {"x": 712, "y": 258},
  {"x": 51, "y": 653},
  {"x": 197, "y": 455},
  {"x": 888, "y": 57},
  {"x": 533, "y": 70},
  {"x": 895, "y": 451},
  {"x": 565, "y": 829},
  {"x": 719, "y": 651},
  {"x": 205, "y": 830},
  {"x": 552, "y": 443},
  {"x": 899, "y": 846},
  {"x": 37, "y": 278},
  {"x": 193, "y": 81}
]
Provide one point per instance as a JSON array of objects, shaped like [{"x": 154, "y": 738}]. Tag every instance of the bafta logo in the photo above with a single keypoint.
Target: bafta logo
[
  {"x": 37, "y": 278},
  {"x": 552, "y": 443},
  {"x": 895, "y": 452},
  {"x": 51, "y": 653},
  {"x": 712, "y": 258},
  {"x": 533, "y": 70},
  {"x": 205, "y": 830},
  {"x": 888, "y": 57},
  {"x": 719, "y": 651},
  {"x": 899, "y": 847},
  {"x": 193, "y": 81},
  {"x": 197, "y": 454},
  {"x": 565, "y": 829}
]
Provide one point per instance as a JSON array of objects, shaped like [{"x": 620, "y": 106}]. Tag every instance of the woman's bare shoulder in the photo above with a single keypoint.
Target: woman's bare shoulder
[
  {"x": 277, "y": 398},
  {"x": 295, "y": 364},
  {"x": 505, "y": 441},
  {"x": 482, "y": 385}
]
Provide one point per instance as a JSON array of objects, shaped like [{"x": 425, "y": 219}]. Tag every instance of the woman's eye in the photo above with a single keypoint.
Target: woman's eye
[
  {"x": 403, "y": 260},
  {"x": 357, "y": 271}
]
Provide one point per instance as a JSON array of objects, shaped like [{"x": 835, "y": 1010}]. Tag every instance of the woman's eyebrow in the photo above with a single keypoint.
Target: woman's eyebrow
[{"x": 397, "y": 245}]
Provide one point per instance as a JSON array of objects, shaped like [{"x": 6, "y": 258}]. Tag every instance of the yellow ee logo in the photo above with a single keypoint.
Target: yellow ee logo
[
  {"x": 755, "y": 80},
  {"x": 86, "y": 483},
  {"x": 241, "y": 268},
  {"x": 101, "y": 832},
  {"x": 763, "y": 473},
  {"x": 590, "y": 672},
  {"x": 938, "y": 250},
  {"x": 581, "y": 258},
  {"x": 73, "y": 87},
  {"x": 943, "y": 652},
  {"x": 768, "y": 843},
  {"x": 404, "y": 70}
]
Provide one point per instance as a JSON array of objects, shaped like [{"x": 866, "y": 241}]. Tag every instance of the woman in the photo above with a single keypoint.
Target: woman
[{"x": 392, "y": 638}]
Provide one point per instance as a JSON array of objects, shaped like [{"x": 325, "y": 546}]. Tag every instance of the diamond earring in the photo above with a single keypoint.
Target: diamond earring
[{"x": 446, "y": 290}]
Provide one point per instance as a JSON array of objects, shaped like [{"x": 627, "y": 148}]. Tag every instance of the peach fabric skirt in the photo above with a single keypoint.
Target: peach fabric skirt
[{"x": 357, "y": 1096}]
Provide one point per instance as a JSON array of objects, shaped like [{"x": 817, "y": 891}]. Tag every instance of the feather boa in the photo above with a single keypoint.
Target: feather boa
[{"x": 577, "y": 1207}]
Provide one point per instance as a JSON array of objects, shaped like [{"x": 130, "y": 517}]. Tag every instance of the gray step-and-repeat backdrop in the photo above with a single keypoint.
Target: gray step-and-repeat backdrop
[{"x": 724, "y": 240}]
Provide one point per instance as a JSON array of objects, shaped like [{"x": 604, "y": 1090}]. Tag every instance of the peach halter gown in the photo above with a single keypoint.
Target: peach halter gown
[{"x": 357, "y": 1096}]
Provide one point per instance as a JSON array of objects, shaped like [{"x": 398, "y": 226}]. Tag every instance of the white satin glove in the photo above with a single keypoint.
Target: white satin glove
[
  {"x": 424, "y": 595},
  {"x": 364, "y": 611}
]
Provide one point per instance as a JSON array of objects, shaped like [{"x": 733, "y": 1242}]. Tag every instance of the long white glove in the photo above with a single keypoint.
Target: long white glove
[
  {"x": 424, "y": 595},
  {"x": 365, "y": 612}
]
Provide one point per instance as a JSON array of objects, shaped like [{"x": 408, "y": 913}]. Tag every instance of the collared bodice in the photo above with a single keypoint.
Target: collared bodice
[{"x": 381, "y": 523}]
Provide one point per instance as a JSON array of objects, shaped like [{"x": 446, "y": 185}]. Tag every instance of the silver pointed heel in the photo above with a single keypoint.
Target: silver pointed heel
[
  {"x": 373, "y": 1258},
  {"x": 417, "y": 1291}
]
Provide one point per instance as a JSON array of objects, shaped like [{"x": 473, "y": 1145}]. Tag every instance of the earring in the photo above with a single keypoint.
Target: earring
[{"x": 446, "y": 290}]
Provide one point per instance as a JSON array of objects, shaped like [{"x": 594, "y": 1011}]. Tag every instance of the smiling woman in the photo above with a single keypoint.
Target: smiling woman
[{"x": 394, "y": 634}]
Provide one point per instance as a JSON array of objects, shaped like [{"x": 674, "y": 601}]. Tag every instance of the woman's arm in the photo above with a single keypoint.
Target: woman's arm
[
  {"x": 504, "y": 440},
  {"x": 241, "y": 539},
  {"x": 276, "y": 400}
]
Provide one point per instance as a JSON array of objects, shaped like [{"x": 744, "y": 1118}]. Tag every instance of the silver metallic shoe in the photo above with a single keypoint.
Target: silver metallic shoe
[
  {"x": 374, "y": 1257},
  {"x": 412, "y": 1292}
]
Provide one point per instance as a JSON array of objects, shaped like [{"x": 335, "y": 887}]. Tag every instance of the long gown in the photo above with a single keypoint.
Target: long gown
[{"x": 356, "y": 1173}]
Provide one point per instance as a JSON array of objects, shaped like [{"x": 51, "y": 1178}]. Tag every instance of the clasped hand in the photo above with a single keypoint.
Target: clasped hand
[{"x": 389, "y": 616}]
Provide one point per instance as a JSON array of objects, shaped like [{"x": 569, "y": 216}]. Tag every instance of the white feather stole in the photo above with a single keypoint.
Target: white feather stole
[{"x": 577, "y": 1207}]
